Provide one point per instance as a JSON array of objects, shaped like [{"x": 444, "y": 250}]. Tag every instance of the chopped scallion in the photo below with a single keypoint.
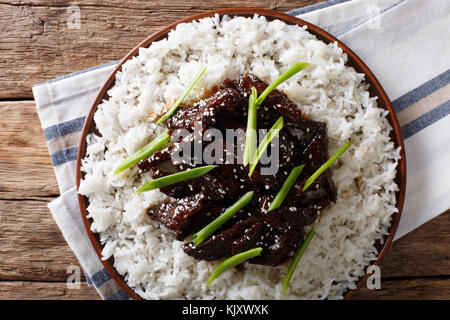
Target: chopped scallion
[
  {"x": 286, "y": 75},
  {"x": 254, "y": 102},
  {"x": 204, "y": 233},
  {"x": 178, "y": 102},
  {"x": 250, "y": 135},
  {"x": 232, "y": 262},
  {"x": 297, "y": 256},
  {"x": 287, "y": 185},
  {"x": 327, "y": 164},
  {"x": 145, "y": 152},
  {"x": 278, "y": 125},
  {"x": 175, "y": 178}
]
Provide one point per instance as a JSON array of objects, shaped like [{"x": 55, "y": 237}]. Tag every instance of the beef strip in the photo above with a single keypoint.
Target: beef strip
[
  {"x": 177, "y": 190},
  {"x": 175, "y": 153},
  {"x": 304, "y": 130},
  {"x": 323, "y": 187},
  {"x": 286, "y": 154},
  {"x": 285, "y": 217},
  {"x": 277, "y": 246},
  {"x": 156, "y": 159},
  {"x": 177, "y": 215},
  {"x": 316, "y": 152},
  {"x": 210, "y": 212},
  {"x": 215, "y": 187},
  {"x": 312, "y": 138},
  {"x": 218, "y": 245},
  {"x": 226, "y": 101},
  {"x": 248, "y": 239},
  {"x": 274, "y": 105}
]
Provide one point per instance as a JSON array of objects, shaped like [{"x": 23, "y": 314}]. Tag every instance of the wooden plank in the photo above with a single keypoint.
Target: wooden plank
[
  {"x": 25, "y": 290},
  {"x": 36, "y": 43},
  {"x": 25, "y": 166},
  {"x": 423, "y": 252},
  {"x": 408, "y": 289},
  {"x": 413, "y": 289},
  {"x": 32, "y": 247}
]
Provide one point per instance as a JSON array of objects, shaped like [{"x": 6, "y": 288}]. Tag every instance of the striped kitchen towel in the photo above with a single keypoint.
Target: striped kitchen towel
[{"x": 404, "y": 42}]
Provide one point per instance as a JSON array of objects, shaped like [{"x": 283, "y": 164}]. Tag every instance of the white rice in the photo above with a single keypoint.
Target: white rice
[{"x": 147, "y": 254}]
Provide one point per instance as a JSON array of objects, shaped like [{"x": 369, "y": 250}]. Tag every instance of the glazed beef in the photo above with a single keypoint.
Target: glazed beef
[
  {"x": 286, "y": 155},
  {"x": 215, "y": 186},
  {"x": 219, "y": 245},
  {"x": 278, "y": 246},
  {"x": 197, "y": 202},
  {"x": 227, "y": 102},
  {"x": 177, "y": 190},
  {"x": 177, "y": 215},
  {"x": 210, "y": 212},
  {"x": 275, "y": 104},
  {"x": 285, "y": 218},
  {"x": 175, "y": 153},
  {"x": 248, "y": 239},
  {"x": 323, "y": 187}
]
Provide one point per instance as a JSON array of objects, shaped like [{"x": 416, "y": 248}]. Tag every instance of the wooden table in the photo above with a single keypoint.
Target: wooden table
[{"x": 36, "y": 45}]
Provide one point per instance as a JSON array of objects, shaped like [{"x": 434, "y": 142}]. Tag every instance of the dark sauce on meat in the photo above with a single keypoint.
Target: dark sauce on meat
[{"x": 199, "y": 201}]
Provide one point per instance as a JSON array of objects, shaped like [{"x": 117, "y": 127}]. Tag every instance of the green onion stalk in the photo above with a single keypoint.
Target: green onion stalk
[
  {"x": 286, "y": 187},
  {"x": 326, "y": 165},
  {"x": 178, "y": 102},
  {"x": 296, "y": 259},
  {"x": 273, "y": 132},
  {"x": 232, "y": 262},
  {"x": 204, "y": 233},
  {"x": 175, "y": 178},
  {"x": 156, "y": 144},
  {"x": 253, "y": 103}
]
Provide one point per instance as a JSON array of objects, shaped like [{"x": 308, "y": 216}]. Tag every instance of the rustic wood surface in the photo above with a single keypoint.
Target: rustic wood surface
[{"x": 36, "y": 45}]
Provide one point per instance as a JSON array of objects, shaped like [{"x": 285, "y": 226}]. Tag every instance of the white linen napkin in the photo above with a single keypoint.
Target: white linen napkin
[{"x": 404, "y": 42}]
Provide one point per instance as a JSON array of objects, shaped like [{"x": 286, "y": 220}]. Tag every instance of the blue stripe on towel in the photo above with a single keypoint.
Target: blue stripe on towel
[
  {"x": 422, "y": 91},
  {"x": 427, "y": 119},
  {"x": 119, "y": 295},
  {"x": 64, "y": 156},
  {"x": 316, "y": 6},
  {"x": 99, "y": 278},
  {"x": 88, "y": 279},
  {"x": 63, "y": 128}
]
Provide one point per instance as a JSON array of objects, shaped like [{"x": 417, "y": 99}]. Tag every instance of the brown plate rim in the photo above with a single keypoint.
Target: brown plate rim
[{"x": 270, "y": 14}]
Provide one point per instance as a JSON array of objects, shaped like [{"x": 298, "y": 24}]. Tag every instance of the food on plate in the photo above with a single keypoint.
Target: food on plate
[
  {"x": 232, "y": 207},
  {"x": 188, "y": 212}
]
